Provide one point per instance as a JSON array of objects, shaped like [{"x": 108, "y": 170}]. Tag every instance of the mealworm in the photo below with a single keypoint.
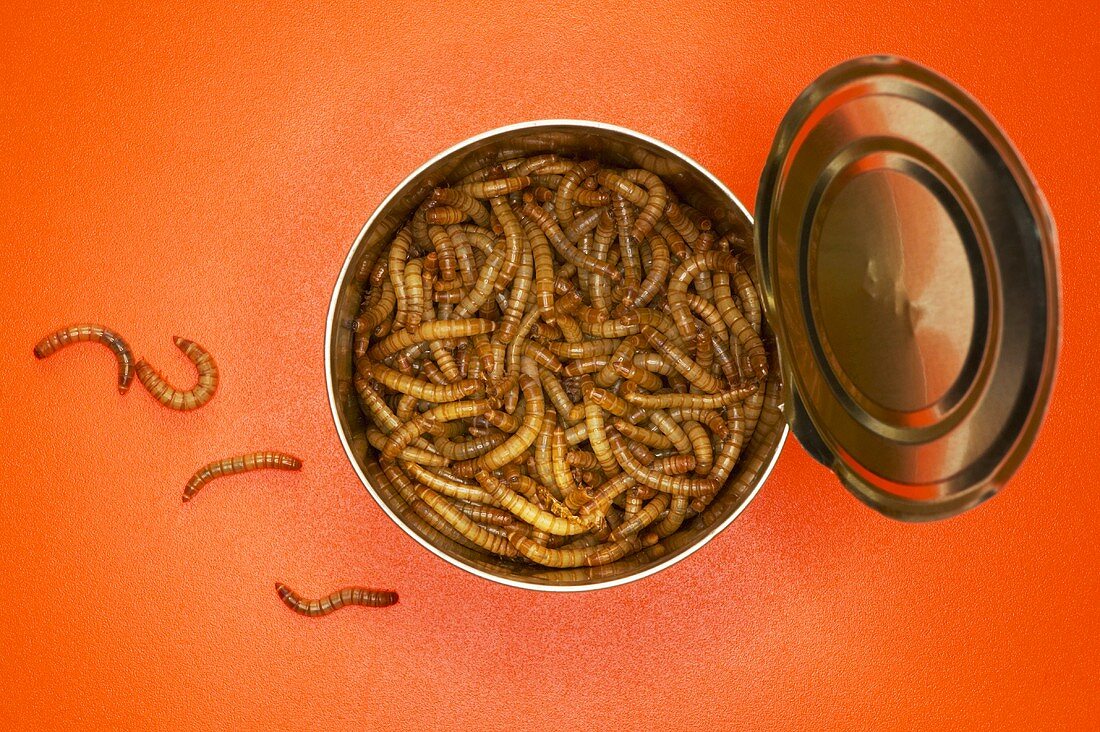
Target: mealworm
[
  {"x": 527, "y": 511},
  {"x": 430, "y": 331},
  {"x": 462, "y": 201},
  {"x": 676, "y": 484},
  {"x": 684, "y": 275},
  {"x": 629, "y": 392},
  {"x": 563, "y": 201},
  {"x": 239, "y": 464},
  {"x": 419, "y": 388},
  {"x": 679, "y": 221},
  {"x": 333, "y": 602},
  {"x": 184, "y": 401},
  {"x": 496, "y": 188},
  {"x": 692, "y": 371},
  {"x": 79, "y": 333},
  {"x": 564, "y": 247}
]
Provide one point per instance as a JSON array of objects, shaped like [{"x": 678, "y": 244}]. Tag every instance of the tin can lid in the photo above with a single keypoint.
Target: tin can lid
[{"x": 910, "y": 274}]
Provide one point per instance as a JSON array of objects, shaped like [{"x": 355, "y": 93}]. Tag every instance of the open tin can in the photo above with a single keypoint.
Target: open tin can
[{"x": 909, "y": 271}]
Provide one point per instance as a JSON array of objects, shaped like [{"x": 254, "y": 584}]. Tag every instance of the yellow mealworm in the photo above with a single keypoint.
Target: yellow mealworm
[
  {"x": 443, "y": 482},
  {"x": 486, "y": 515},
  {"x": 671, "y": 429},
  {"x": 564, "y": 247},
  {"x": 430, "y": 331},
  {"x": 517, "y": 299},
  {"x": 239, "y": 464},
  {"x": 641, "y": 518},
  {"x": 750, "y": 299},
  {"x": 563, "y": 201},
  {"x": 624, "y": 351},
  {"x": 462, "y": 201},
  {"x": 463, "y": 524},
  {"x": 390, "y": 478},
  {"x": 413, "y": 454},
  {"x": 701, "y": 446},
  {"x": 466, "y": 451},
  {"x": 628, "y": 391},
  {"x": 620, "y": 185},
  {"x": 582, "y": 225},
  {"x": 676, "y": 484},
  {"x": 677, "y": 512},
  {"x": 649, "y": 438},
  {"x": 400, "y": 438},
  {"x": 513, "y": 240},
  {"x": 632, "y": 372},
  {"x": 692, "y": 371},
  {"x": 443, "y": 216},
  {"x": 587, "y": 556},
  {"x": 496, "y": 188},
  {"x": 680, "y": 221},
  {"x": 173, "y": 398},
  {"x": 397, "y": 257},
  {"x": 611, "y": 403},
  {"x": 527, "y": 511},
  {"x": 654, "y": 205},
  {"x": 524, "y": 437},
  {"x": 419, "y": 388},
  {"x": 597, "y": 438},
  {"x": 677, "y": 287},
  {"x": 656, "y": 274},
  {"x": 331, "y": 603},
  {"x": 80, "y": 333},
  {"x": 544, "y": 446},
  {"x": 628, "y": 245},
  {"x": 708, "y": 417}
]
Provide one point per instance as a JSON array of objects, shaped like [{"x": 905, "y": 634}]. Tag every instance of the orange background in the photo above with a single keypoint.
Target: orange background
[{"x": 204, "y": 171}]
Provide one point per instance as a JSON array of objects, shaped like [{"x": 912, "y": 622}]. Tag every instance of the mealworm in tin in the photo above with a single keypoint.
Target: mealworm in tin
[{"x": 646, "y": 363}]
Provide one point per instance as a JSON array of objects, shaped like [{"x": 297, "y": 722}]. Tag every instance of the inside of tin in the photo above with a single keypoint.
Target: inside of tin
[{"x": 579, "y": 140}]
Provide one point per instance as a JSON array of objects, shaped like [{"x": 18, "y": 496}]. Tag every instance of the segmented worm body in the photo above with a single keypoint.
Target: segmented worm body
[
  {"x": 331, "y": 603},
  {"x": 99, "y": 334},
  {"x": 239, "y": 464},
  {"x": 560, "y": 363},
  {"x": 177, "y": 399}
]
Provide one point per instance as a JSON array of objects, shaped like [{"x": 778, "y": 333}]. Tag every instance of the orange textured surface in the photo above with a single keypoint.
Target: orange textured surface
[{"x": 203, "y": 173}]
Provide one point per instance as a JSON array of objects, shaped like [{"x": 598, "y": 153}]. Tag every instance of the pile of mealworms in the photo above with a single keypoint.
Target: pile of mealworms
[
  {"x": 559, "y": 362},
  {"x": 185, "y": 400}
]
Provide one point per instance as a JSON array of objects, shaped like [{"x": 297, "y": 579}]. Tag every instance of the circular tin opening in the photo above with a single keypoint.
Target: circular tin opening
[{"x": 618, "y": 146}]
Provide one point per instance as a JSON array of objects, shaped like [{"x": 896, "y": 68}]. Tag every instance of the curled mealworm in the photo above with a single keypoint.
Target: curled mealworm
[
  {"x": 166, "y": 394},
  {"x": 333, "y": 602},
  {"x": 462, "y": 201},
  {"x": 239, "y": 464},
  {"x": 80, "y": 333}
]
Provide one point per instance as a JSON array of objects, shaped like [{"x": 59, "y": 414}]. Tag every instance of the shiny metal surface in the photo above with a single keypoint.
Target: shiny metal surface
[
  {"x": 618, "y": 146},
  {"x": 909, "y": 265}
]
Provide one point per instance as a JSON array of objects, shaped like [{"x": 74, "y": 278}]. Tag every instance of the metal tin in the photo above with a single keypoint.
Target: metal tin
[
  {"x": 909, "y": 266},
  {"x": 912, "y": 240}
]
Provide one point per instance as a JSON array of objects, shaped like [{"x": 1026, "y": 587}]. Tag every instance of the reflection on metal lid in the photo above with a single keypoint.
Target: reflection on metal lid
[{"x": 910, "y": 273}]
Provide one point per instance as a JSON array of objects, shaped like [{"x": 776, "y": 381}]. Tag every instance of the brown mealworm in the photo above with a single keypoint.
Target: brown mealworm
[
  {"x": 333, "y": 602},
  {"x": 239, "y": 464},
  {"x": 80, "y": 333},
  {"x": 173, "y": 398}
]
